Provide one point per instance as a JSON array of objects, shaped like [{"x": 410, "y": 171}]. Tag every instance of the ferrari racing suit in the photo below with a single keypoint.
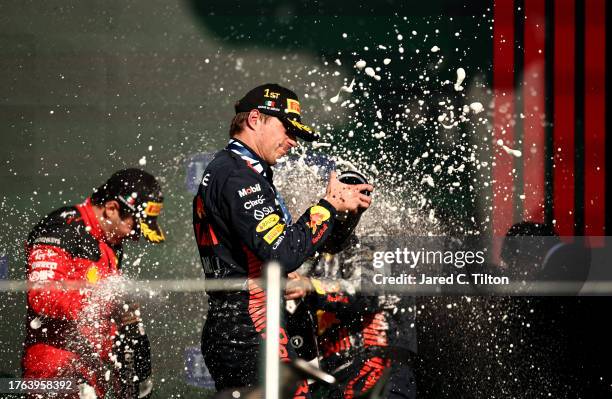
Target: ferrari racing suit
[{"x": 69, "y": 331}]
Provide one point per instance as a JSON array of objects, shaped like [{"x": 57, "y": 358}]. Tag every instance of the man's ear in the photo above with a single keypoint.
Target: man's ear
[
  {"x": 253, "y": 119},
  {"x": 111, "y": 208}
]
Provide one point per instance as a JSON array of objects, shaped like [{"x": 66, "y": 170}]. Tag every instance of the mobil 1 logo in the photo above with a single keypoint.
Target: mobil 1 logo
[{"x": 243, "y": 192}]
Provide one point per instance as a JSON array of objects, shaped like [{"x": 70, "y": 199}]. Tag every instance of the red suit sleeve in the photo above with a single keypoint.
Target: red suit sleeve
[{"x": 48, "y": 264}]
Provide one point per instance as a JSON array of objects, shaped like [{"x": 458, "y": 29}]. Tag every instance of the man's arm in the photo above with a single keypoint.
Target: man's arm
[{"x": 259, "y": 222}]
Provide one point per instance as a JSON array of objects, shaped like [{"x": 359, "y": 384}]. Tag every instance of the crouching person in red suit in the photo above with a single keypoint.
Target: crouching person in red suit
[{"x": 76, "y": 314}]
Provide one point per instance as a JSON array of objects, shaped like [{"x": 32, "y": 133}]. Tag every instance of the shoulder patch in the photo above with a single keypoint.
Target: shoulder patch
[
  {"x": 64, "y": 228},
  {"x": 274, "y": 233},
  {"x": 267, "y": 223}
]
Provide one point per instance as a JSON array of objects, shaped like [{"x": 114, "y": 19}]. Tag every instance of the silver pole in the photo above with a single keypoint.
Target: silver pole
[{"x": 273, "y": 294}]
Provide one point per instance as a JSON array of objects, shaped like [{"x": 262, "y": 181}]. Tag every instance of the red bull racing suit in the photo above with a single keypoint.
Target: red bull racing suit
[
  {"x": 361, "y": 336},
  {"x": 240, "y": 222}
]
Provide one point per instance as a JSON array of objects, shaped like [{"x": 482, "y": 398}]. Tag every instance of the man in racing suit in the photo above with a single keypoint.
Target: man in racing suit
[
  {"x": 360, "y": 335},
  {"x": 241, "y": 222},
  {"x": 73, "y": 254}
]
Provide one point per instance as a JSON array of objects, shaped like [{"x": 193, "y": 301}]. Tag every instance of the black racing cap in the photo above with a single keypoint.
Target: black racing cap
[
  {"x": 275, "y": 100},
  {"x": 139, "y": 194}
]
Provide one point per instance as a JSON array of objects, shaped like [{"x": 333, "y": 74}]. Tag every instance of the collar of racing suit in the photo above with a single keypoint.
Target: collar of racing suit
[
  {"x": 90, "y": 219},
  {"x": 260, "y": 166},
  {"x": 252, "y": 159}
]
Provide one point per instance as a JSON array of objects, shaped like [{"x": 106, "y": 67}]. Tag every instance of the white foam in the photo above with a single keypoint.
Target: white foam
[
  {"x": 476, "y": 107},
  {"x": 460, "y": 79},
  {"x": 35, "y": 323},
  {"x": 345, "y": 89},
  {"x": 429, "y": 180},
  {"x": 508, "y": 150}
]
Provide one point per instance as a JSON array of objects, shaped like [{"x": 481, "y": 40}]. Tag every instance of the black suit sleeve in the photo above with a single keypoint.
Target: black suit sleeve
[{"x": 257, "y": 219}]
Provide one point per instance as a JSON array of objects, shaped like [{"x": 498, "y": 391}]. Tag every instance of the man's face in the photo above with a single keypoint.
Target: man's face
[
  {"x": 117, "y": 229},
  {"x": 275, "y": 141}
]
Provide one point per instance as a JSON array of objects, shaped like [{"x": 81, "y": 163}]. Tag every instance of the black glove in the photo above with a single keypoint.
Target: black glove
[{"x": 134, "y": 355}]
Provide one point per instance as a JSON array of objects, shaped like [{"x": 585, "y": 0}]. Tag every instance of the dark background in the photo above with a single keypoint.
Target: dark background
[{"x": 91, "y": 87}]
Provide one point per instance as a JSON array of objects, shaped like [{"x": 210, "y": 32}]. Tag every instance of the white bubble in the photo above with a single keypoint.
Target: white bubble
[
  {"x": 460, "y": 79},
  {"x": 476, "y": 107},
  {"x": 429, "y": 180},
  {"x": 35, "y": 323}
]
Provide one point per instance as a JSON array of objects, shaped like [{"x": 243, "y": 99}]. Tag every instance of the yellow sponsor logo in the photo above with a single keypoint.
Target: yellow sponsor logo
[
  {"x": 270, "y": 94},
  {"x": 92, "y": 275},
  {"x": 267, "y": 223},
  {"x": 151, "y": 234},
  {"x": 300, "y": 126},
  {"x": 153, "y": 208},
  {"x": 274, "y": 233},
  {"x": 293, "y": 106}
]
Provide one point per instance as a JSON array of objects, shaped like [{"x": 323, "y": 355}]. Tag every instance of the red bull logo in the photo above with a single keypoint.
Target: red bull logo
[
  {"x": 318, "y": 215},
  {"x": 325, "y": 320}
]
